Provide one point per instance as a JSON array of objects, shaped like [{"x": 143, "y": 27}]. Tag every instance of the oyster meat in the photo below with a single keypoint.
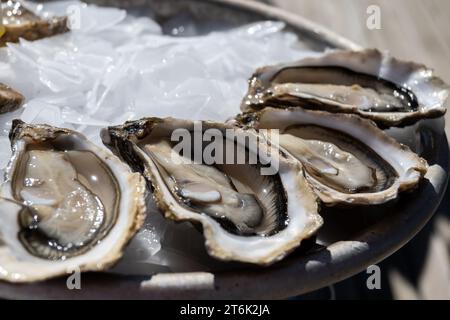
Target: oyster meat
[
  {"x": 347, "y": 160},
  {"x": 369, "y": 83},
  {"x": 66, "y": 204},
  {"x": 10, "y": 99},
  {"x": 246, "y": 215},
  {"x": 19, "y": 22}
]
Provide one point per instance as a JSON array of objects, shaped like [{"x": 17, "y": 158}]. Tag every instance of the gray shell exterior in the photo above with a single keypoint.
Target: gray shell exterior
[{"x": 10, "y": 99}]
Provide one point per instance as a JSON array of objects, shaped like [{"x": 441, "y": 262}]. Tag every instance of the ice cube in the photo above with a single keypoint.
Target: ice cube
[
  {"x": 5, "y": 151},
  {"x": 39, "y": 112}
]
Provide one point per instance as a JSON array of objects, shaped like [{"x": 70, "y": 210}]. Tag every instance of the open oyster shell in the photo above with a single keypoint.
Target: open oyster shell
[
  {"x": 10, "y": 99},
  {"x": 66, "y": 205},
  {"x": 246, "y": 216},
  {"x": 374, "y": 85},
  {"x": 19, "y": 22},
  {"x": 347, "y": 159}
]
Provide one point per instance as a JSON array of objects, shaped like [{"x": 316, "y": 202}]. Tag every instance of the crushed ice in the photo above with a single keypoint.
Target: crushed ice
[{"x": 115, "y": 67}]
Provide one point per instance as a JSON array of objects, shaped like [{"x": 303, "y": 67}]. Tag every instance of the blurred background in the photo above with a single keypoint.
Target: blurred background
[{"x": 415, "y": 30}]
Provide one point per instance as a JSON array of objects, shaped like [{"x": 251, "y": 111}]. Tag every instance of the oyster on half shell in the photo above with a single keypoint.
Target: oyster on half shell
[
  {"x": 347, "y": 160},
  {"x": 65, "y": 204},
  {"x": 246, "y": 216},
  {"x": 10, "y": 99},
  {"x": 20, "y": 22},
  {"x": 369, "y": 83}
]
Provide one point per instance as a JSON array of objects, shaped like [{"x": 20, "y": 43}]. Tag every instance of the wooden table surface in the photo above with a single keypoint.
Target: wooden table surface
[{"x": 415, "y": 30}]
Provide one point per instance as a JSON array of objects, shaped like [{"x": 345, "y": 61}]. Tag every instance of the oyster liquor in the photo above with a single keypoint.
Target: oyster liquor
[{"x": 228, "y": 309}]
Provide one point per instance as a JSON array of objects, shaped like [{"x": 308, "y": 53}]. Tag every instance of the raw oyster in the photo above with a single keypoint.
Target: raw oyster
[
  {"x": 10, "y": 99},
  {"x": 347, "y": 159},
  {"x": 369, "y": 83},
  {"x": 246, "y": 216},
  {"x": 19, "y": 22},
  {"x": 66, "y": 204}
]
